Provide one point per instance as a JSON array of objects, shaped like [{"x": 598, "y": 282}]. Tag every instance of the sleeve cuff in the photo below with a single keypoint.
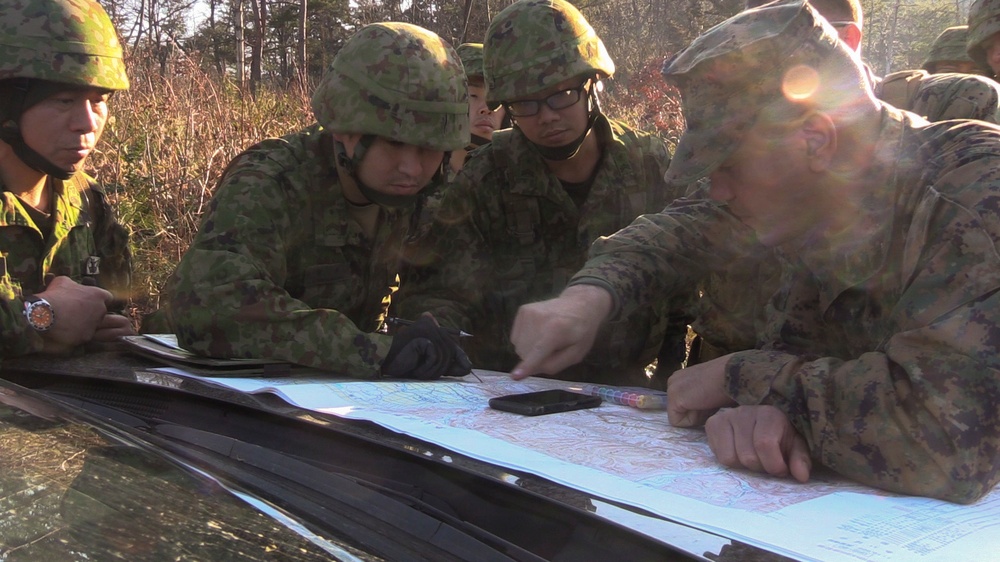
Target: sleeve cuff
[
  {"x": 616, "y": 305},
  {"x": 750, "y": 375}
]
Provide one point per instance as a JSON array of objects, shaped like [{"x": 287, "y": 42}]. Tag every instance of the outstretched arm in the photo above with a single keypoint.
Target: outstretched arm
[{"x": 554, "y": 334}]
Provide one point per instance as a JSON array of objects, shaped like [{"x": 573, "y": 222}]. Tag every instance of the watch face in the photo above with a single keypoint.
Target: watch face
[{"x": 40, "y": 315}]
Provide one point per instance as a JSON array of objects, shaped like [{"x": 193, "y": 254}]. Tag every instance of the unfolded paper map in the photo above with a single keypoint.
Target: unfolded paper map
[{"x": 635, "y": 457}]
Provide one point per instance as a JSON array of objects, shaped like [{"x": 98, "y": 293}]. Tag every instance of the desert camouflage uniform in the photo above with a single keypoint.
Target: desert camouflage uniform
[
  {"x": 279, "y": 269},
  {"x": 72, "y": 43},
  {"x": 882, "y": 351},
  {"x": 508, "y": 233},
  {"x": 85, "y": 243}
]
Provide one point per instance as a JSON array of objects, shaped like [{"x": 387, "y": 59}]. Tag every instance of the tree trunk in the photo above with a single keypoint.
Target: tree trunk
[
  {"x": 241, "y": 43},
  {"x": 303, "y": 70},
  {"x": 140, "y": 18},
  {"x": 216, "y": 51},
  {"x": 259, "y": 9},
  {"x": 890, "y": 42},
  {"x": 465, "y": 28}
]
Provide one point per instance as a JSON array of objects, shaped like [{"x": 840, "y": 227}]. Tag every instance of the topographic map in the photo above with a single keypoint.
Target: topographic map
[{"x": 635, "y": 457}]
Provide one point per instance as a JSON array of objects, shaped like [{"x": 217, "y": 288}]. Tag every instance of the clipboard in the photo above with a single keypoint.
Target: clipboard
[{"x": 164, "y": 348}]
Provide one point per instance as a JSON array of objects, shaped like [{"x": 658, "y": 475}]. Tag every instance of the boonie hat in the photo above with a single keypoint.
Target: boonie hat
[{"x": 733, "y": 70}]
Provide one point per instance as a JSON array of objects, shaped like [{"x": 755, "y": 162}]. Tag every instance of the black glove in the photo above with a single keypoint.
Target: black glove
[{"x": 425, "y": 351}]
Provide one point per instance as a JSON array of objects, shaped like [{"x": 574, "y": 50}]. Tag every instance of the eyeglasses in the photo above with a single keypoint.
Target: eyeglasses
[
  {"x": 839, "y": 24},
  {"x": 559, "y": 100}
]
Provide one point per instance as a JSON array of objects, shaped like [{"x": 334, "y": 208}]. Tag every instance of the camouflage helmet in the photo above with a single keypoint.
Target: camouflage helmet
[
  {"x": 398, "y": 81},
  {"x": 949, "y": 46},
  {"x": 472, "y": 59},
  {"x": 533, "y": 45},
  {"x": 984, "y": 21},
  {"x": 65, "y": 41}
]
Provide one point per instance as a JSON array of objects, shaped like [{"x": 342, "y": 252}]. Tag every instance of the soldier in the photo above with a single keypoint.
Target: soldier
[
  {"x": 520, "y": 217},
  {"x": 297, "y": 254},
  {"x": 880, "y": 356},
  {"x": 65, "y": 260},
  {"x": 728, "y": 318},
  {"x": 482, "y": 118},
  {"x": 936, "y": 98},
  {"x": 948, "y": 54},
  {"x": 984, "y": 35}
]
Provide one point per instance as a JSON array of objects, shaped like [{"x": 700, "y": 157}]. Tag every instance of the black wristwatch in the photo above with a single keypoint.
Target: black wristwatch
[{"x": 39, "y": 313}]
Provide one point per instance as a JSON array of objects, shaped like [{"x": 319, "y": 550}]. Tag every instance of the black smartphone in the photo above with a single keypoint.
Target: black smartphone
[{"x": 544, "y": 402}]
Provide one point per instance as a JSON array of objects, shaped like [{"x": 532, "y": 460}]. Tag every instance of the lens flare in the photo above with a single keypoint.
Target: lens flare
[{"x": 800, "y": 83}]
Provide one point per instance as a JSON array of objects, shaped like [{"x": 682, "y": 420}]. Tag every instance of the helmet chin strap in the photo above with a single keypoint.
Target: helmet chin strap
[
  {"x": 351, "y": 164},
  {"x": 32, "y": 159},
  {"x": 476, "y": 142},
  {"x": 22, "y": 95},
  {"x": 569, "y": 150}
]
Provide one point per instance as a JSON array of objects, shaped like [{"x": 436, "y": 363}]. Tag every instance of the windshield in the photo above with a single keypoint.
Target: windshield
[{"x": 71, "y": 492}]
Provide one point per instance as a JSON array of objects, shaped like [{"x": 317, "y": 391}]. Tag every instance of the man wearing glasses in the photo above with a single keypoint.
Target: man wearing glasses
[{"x": 520, "y": 217}]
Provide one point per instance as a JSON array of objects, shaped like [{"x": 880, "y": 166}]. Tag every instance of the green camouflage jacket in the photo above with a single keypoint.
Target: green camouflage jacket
[
  {"x": 279, "y": 270},
  {"x": 86, "y": 241},
  {"x": 884, "y": 354},
  {"x": 507, "y": 233}
]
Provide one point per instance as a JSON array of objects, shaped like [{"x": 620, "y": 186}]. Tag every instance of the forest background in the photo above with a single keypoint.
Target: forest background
[{"x": 212, "y": 77}]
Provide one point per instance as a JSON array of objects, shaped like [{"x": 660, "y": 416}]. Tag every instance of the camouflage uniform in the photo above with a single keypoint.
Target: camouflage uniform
[
  {"x": 883, "y": 352},
  {"x": 939, "y": 97},
  {"x": 85, "y": 243},
  {"x": 509, "y": 232},
  {"x": 984, "y": 22},
  {"x": 279, "y": 269},
  {"x": 727, "y": 319},
  {"x": 471, "y": 55}
]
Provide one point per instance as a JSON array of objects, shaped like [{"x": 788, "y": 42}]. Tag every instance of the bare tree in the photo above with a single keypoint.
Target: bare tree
[
  {"x": 241, "y": 44},
  {"x": 303, "y": 69},
  {"x": 465, "y": 26},
  {"x": 258, "y": 9}
]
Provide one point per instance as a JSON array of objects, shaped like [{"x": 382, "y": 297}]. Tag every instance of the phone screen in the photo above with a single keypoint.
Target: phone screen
[{"x": 544, "y": 402}]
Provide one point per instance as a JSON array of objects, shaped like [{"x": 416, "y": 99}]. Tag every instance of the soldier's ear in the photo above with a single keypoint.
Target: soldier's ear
[
  {"x": 819, "y": 135},
  {"x": 851, "y": 34}
]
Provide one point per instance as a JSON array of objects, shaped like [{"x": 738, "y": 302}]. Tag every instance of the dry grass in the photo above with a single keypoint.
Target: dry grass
[
  {"x": 172, "y": 134},
  {"x": 164, "y": 149}
]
